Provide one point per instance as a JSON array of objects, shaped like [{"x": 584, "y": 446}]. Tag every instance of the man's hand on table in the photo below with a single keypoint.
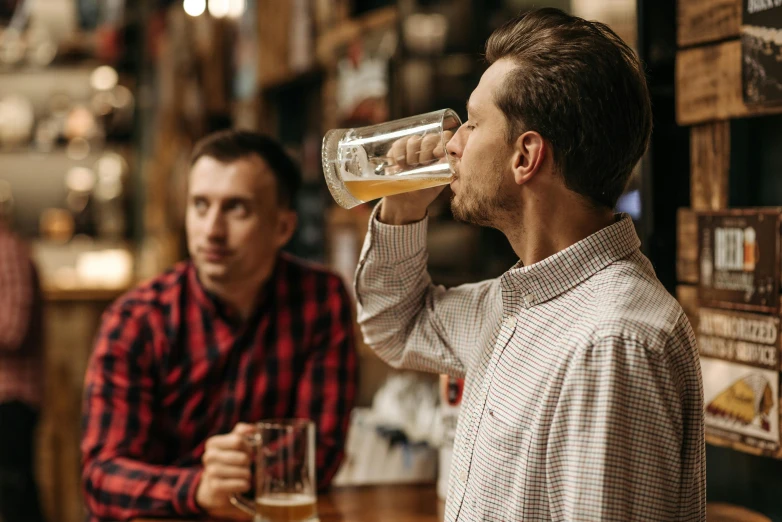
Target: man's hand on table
[{"x": 226, "y": 472}]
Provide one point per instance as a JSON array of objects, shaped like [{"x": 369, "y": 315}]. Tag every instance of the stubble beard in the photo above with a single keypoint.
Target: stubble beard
[
  {"x": 474, "y": 211},
  {"x": 481, "y": 210}
]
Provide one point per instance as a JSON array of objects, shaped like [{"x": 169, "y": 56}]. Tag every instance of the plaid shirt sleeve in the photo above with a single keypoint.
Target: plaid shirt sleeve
[
  {"x": 614, "y": 450},
  {"x": 16, "y": 292},
  {"x": 327, "y": 389},
  {"x": 118, "y": 412},
  {"x": 408, "y": 321}
]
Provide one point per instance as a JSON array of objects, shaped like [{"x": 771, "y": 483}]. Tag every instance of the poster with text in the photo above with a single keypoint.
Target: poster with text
[{"x": 761, "y": 51}]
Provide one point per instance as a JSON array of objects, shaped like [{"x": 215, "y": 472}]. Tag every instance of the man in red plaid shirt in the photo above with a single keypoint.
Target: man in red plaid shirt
[
  {"x": 240, "y": 333},
  {"x": 21, "y": 376}
]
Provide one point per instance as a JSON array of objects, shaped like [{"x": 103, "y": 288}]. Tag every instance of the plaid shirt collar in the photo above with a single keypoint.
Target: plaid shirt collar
[
  {"x": 212, "y": 303},
  {"x": 555, "y": 275}
]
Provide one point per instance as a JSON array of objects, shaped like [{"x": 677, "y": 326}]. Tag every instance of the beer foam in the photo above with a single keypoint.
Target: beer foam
[{"x": 286, "y": 500}]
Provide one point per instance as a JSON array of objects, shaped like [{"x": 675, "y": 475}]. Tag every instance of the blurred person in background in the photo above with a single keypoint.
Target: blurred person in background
[
  {"x": 583, "y": 396},
  {"x": 239, "y": 333},
  {"x": 21, "y": 374}
]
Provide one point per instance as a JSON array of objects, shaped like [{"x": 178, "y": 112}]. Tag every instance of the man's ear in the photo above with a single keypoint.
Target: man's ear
[
  {"x": 529, "y": 151},
  {"x": 286, "y": 226}
]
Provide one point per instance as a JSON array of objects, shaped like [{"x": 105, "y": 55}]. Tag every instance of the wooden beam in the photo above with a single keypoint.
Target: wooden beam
[
  {"x": 274, "y": 26},
  {"x": 701, "y": 21},
  {"x": 708, "y": 85},
  {"x": 687, "y": 295},
  {"x": 709, "y": 165},
  {"x": 348, "y": 30},
  {"x": 686, "y": 246}
]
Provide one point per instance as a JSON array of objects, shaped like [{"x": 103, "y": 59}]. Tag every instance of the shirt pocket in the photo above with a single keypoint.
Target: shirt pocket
[
  {"x": 506, "y": 421},
  {"x": 505, "y": 438},
  {"x": 504, "y": 460}
]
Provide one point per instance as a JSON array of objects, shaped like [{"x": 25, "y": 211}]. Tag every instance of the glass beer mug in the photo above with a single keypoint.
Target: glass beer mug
[
  {"x": 390, "y": 158},
  {"x": 284, "y": 479}
]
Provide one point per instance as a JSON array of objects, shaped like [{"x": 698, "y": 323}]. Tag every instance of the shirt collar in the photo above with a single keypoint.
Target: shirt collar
[
  {"x": 537, "y": 283},
  {"x": 209, "y": 301}
]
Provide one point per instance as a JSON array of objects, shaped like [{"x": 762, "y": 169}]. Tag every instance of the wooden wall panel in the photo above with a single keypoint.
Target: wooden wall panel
[
  {"x": 70, "y": 328},
  {"x": 686, "y": 246},
  {"x": 708, "y": 85},
  {"x": 709, "y": 165},
  {"x": 701, "y": 21},
  {"x": 687, "y": 295},
  {"x": 274, "y": 25}
]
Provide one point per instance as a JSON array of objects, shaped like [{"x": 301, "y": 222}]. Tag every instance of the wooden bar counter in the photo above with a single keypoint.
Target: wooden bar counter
[{"x": 375, "y": 504}]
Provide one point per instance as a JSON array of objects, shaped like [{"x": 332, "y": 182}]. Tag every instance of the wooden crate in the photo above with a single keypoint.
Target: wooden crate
[
  {"x": 708, "y": 96},
  {"x": 702, "y": 21}
]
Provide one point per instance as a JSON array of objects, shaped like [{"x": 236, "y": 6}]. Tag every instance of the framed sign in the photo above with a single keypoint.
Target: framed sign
[
  {"x": 761, "y": 51},
  {"x": 740, "y": 360},
  {"x": 739, "y": 260}
]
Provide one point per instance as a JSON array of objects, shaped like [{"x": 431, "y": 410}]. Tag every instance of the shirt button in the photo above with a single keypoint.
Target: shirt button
[
  {"x": 529, "y": 299},
  {"x": 463, "y": 476},
  {"x": 510, "y": 322}
]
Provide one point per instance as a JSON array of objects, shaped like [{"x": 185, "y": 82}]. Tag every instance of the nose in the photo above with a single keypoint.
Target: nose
[
  {"x": 215, "y": 223},
  {"x": 455, "y": 145}
]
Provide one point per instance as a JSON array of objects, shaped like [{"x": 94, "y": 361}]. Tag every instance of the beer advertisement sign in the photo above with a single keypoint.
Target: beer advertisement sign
[
  {"x": 738, "y": 256},
  {"x": 740, "y": 363},
  {"x": 761, "y": 50}
]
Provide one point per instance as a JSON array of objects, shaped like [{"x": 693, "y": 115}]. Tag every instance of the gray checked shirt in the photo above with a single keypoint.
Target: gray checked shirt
[{"x": 583, "y": 396}]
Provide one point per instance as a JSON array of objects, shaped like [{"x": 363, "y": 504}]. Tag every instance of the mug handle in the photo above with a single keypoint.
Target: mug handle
[
  {"x": 243, "y": 505},
  {"x": 254, "y": 441}
]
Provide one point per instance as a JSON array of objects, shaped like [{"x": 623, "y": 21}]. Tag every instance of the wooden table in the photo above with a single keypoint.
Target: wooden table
[
  {"x": 376, "y": 504},
  {"x": 720, "y": 512}
]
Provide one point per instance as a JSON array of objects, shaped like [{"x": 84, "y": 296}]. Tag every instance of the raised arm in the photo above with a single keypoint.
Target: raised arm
[{"x": 407, "y": 320}]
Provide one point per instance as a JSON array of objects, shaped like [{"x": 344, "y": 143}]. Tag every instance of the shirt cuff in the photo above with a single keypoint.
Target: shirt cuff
[
  {"x": 395, "y": 242},
  {"x": 187, "y": 486}
]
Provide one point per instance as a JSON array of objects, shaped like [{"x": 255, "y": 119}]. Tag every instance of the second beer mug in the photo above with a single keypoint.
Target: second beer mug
[
  {"x": 390, "y": 158},
  {"x": 284, "y": 460}
]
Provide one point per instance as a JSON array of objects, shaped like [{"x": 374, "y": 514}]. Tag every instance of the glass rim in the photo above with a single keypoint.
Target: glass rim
[
  {"x": 455, "y": 115},
  {"x": 284, "y": 423},
  {"x": 334, "y": 182}
]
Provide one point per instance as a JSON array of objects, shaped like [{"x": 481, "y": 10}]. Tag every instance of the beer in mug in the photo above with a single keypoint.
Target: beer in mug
[
  {"x": 286, "y": 507},
  {"x": 284, "y": 482},
  {"x": 390, "y": 158}
]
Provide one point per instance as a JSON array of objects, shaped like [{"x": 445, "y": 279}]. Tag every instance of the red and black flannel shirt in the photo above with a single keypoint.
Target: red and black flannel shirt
[
  {"x": 21, "y": 343},
  {"x": 172, "y": 367}
]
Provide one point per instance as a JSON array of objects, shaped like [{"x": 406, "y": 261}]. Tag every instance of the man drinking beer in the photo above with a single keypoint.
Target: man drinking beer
[{"x": 583, "y": 396}]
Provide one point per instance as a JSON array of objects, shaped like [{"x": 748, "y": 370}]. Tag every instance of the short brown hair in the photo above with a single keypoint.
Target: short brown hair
[
  {"x": 583, "y": 89},
  {"x": 231, "y": 145}
]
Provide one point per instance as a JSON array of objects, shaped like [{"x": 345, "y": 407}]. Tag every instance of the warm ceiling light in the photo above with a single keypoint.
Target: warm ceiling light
[
  {"x": 104, "y": 78},
  {"x": 194, "y": 7},
  {"x": 80, "y": 179},
  {"x": 236, "y": 8},
  {"x": 219, "y": 8}
]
